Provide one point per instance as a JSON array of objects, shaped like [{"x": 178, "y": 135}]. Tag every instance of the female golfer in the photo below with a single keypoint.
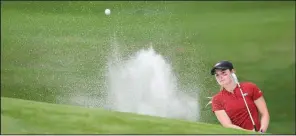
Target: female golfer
[{"x": 229, "y": 106}]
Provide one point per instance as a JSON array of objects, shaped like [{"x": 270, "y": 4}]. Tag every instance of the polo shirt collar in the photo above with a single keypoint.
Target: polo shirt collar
[{"x": 227, "y": 92}]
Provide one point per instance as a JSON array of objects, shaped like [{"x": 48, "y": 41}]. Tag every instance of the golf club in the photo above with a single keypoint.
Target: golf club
[{"x": 236, "y": 81}]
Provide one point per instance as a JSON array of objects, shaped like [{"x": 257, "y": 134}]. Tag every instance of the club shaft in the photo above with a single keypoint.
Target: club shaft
[{"x": 247, "y": 107}]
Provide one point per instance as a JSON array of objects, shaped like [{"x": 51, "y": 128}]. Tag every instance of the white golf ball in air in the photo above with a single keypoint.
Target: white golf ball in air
[{"x": 107, "y": 11}]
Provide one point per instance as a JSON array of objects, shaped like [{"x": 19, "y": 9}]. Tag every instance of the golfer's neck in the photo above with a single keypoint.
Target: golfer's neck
[{"x": 230, "y": 87}]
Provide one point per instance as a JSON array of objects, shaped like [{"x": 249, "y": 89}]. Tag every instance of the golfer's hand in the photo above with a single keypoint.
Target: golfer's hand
[{"x": 262, "y": 129}]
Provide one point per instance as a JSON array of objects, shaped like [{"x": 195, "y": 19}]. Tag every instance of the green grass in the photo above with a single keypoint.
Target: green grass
[
  {"x": 53, "y": 50},
  {"x": 30, "y": 117}
]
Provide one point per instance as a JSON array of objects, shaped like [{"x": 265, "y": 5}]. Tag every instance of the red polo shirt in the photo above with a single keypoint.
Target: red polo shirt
[{"x": 234, "y": 105}]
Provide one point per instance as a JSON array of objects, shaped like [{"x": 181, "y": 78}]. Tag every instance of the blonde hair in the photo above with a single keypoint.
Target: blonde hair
[
  {"x": 221, "y": 87},
  {"x": 210, "y": 102}
]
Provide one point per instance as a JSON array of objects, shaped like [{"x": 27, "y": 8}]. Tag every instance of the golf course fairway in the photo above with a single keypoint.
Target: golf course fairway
[{"x": 29, "y": 117}]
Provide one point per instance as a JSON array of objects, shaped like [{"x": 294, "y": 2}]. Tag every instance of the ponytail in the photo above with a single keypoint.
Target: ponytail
[
  {"x": 210, "y": 102},
  {"x": 221, "y": 88}
]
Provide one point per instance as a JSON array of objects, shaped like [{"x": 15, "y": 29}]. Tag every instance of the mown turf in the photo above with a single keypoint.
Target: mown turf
[
  {"x": 29, "y": 117},
  {"x": 54, "y": 51}
]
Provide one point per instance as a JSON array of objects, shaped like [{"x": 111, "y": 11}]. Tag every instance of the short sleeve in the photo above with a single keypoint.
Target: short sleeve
[
  {"x": 216, "y": 104},
  {"x": 257, "y": 93}
]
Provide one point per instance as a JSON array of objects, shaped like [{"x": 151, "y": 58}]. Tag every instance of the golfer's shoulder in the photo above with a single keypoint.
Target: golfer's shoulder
[
  {"x": 218, "y": 96},
  {"x": 248, "y": 84}
]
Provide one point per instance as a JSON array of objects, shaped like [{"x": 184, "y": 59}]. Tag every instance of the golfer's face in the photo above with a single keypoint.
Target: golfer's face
[{"x": 222, "y": 76}]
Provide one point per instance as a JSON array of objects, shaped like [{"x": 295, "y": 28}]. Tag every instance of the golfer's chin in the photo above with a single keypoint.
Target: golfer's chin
[{"x": 222, "y": 83}]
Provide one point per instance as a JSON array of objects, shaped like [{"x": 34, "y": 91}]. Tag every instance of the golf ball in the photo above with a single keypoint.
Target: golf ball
[{"x": 107, "y": 11}]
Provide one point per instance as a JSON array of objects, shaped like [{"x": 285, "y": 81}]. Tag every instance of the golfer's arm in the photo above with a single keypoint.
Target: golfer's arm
[
  {"x": 225, "y": 120},
  {"x": 233, "y": 126},
  {"x": 264, "y": 121},
  {"x": 261, "y": 105}
]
